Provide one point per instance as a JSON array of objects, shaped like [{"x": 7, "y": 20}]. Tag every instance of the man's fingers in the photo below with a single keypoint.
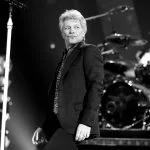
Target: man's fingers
[
  {"x": 82, "y": 132},
  {"x": 88, "y": 134},
  {"x": 80, "y": 137},
  {"x": 77, "y": 138},
  {"x": 35, "y": 137}
]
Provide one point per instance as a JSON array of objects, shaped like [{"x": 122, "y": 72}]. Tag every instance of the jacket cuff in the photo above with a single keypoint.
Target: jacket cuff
[{"x": 89, "y": 117}]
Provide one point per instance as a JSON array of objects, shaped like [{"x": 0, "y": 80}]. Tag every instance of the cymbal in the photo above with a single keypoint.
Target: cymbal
[
  {"x": 115, "y": 38},
  {"x": 125, "y": 39},
  {"x": 118, "y": 67},
  {"x": 138, "y": 42}
]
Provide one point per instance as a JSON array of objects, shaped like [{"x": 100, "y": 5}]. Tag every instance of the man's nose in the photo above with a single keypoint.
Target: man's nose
[{"x": 72, "y": 30}]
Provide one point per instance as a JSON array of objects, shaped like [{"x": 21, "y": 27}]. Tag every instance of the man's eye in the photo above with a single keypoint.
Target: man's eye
[
  {"x": 66, "y": 28},
  {"x": 77, "y": 27}
]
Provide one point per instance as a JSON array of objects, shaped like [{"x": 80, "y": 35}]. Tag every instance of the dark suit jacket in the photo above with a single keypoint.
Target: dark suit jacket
[{"x": 80, "y": 89}]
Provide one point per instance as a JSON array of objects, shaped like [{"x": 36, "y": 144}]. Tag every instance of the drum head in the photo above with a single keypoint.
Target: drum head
[{"x": 119, "y": 104}]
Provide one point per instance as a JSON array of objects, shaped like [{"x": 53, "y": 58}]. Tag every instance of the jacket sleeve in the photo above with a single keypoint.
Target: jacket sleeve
[{"x": 94, "y": 74}]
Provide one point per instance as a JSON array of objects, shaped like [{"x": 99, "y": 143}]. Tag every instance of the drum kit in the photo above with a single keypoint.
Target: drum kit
[{"x": 125, "y": 101}]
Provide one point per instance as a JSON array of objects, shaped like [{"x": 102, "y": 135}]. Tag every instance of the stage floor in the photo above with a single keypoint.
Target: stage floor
[{"x": 119, "y": 137}]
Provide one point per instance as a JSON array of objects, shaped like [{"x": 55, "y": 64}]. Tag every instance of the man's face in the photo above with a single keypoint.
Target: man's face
[{"x": 72, "y": 31}]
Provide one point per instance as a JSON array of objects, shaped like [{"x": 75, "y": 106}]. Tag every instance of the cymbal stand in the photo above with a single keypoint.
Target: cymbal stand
[
  {"x": 143, "y": 120},
  {"x": 145, "y": 117},
  {"x": 113, "y": 11}
]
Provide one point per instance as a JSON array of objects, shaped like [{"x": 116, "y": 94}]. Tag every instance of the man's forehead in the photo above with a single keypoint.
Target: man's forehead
[{"x": 71, "y": 21}]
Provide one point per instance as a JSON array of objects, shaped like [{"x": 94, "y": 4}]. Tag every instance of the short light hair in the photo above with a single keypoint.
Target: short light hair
[{"x": 75, "y": 15}]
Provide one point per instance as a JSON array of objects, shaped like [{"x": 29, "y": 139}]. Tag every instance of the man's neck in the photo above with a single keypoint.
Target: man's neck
[{"x": 68, "y": 47}]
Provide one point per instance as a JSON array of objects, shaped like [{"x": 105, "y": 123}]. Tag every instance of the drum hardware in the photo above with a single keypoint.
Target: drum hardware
[
  {"x": 145, "y": 125},
  {"x": 143, "y": 120},
  {"x": 125, "y": 40},
  {"x": 120, "y": 97},
  {"x": 124, "y": 90},
  {"x": 116, "y": 38},
  {"x": 102, "y": 45},
  {"x": 113, "y": 11},
  {"x": 138, "y": 42},
  {"x": 103, "y": 50},
  {"x": 145, "y": 117},
  {"x": 110, "y": 51},
  {"x": 104, "y": 124}
]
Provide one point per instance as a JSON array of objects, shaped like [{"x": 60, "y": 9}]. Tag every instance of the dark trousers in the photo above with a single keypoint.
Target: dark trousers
[{"x": 61, "y": 140}]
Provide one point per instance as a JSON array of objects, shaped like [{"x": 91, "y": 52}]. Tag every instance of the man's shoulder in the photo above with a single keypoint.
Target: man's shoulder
[
  {"x": 87, "y": 45},
  {"x": 90, "y": 48}
]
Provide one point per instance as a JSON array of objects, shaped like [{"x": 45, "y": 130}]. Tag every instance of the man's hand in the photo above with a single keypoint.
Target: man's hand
[
  {"x": 82, "y": 132},
  {"x": 38, "y": 137}
]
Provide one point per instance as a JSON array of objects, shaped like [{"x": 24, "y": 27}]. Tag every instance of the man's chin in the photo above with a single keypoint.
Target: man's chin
[{"x": 73, "y": 41}]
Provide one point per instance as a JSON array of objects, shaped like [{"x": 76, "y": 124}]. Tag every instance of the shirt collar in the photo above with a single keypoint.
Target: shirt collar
[{"x": 78, "y": 45}]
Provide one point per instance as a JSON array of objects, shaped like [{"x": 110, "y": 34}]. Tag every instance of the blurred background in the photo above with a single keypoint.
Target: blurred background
[{"x": 36, "y": 48}]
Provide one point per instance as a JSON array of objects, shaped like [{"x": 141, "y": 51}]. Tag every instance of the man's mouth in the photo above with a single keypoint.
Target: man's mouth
[{"x": 72, "y": 37}]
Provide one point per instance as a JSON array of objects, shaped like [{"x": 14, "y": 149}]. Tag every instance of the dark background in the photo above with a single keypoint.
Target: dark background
[{"x": 36, "y": 47}]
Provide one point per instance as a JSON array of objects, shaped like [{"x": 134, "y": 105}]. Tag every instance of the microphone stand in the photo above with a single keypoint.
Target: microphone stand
[
  {"x": 6, "y": 77},
  {"x": 7, "y": 68},
  {"x": 113, "y": 11}
]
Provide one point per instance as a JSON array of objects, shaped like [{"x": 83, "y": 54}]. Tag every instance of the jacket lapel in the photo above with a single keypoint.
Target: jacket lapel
[{"x": 69, "y": 60}]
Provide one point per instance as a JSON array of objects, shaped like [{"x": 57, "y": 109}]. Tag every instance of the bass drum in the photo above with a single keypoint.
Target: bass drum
[{"x": 123, "y": 105}]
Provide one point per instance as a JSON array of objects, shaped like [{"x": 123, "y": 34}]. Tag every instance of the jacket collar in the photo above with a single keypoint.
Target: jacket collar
[
  {"x": 72, "y": 57},
  {"x": 75, "y": 46}
]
